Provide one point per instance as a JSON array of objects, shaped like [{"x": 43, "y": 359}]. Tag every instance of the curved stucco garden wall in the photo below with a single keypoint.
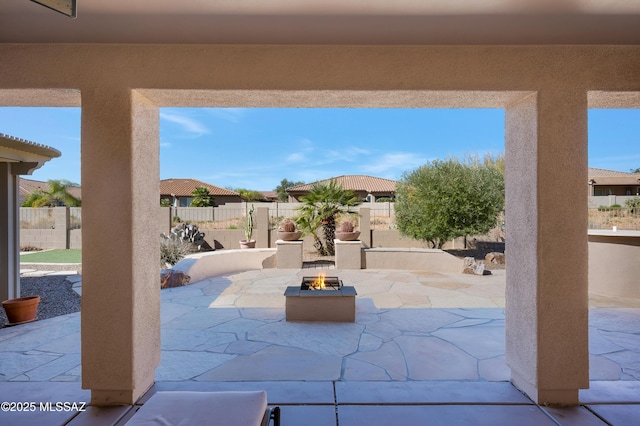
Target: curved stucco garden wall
[{"x": 614, "y": 263}]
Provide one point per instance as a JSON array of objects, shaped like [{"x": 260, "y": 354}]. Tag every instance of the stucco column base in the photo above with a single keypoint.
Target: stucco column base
[
  {"x": 103, "y": 398},
  {"x": 348, "y": 254},
  {"x": 288, "y": 254},
  {"x": 546, "y": 397}
]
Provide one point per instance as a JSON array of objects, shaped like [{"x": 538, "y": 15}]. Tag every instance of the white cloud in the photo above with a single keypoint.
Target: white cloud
[
  {"x": 188, "y": 124},
  {"x": 233, "y": 115},
  {"x": 394, "y": 162}
]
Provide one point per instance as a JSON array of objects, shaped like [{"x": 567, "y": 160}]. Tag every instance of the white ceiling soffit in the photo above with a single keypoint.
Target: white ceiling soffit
[{"x": 327, "y": 22}]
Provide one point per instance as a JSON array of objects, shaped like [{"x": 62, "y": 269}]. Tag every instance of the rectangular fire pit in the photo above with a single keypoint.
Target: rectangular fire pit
[{"x": 335, "y": 302}]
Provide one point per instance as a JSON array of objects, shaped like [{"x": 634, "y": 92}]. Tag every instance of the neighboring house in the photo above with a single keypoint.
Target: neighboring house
[
  {"x": 610, "y": 182},
  {"x": 26, "y": 186},
  {"x": 369, "y": 188},
  {"x": 270, "y": 195},
  {"x": 179, "y": 192}
]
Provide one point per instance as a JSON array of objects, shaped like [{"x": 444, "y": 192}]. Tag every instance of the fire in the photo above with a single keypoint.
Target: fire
[{"x": 318, "y": 283}]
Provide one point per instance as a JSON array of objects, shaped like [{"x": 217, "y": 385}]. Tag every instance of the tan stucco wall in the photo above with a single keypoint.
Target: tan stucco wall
[
  {"x": 614, "y": 263},
  {"x": 544, "y": 90}
]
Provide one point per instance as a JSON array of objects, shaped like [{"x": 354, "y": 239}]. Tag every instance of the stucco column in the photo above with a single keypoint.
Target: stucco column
[
  {"x": 547, "y": 253},
  {"x": 120, "y": 259},
  {"x": 9, "y": 234}
]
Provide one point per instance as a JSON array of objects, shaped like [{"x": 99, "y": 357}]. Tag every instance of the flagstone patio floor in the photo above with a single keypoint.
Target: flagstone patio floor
[{"x": 424, "y": 346}]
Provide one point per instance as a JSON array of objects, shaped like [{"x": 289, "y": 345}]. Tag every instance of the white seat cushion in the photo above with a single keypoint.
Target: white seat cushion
[{"x": 202, "y": 408}]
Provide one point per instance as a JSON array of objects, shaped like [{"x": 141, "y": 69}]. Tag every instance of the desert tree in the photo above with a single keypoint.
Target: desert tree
[{"x": 443, "y": 200}]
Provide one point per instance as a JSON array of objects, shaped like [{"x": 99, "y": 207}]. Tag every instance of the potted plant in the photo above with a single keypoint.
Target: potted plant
[
  {"x": 248, "y": 232},
  {"x": 287, "y": 231},
  {"x": 22, "y": 309},
  {"x": 347, "y": 232}
]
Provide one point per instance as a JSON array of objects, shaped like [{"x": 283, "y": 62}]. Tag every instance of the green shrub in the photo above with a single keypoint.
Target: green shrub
[
  {"x": 603, "y": 208},
  {"x": 383, "y": 200},
  {"x": 616, "y": 206},
  {"x": 633, "y": 204}
]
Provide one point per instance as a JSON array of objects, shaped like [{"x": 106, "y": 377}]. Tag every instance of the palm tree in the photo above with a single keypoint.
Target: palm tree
[
  {"x": 57, "y": 194},
  {"x": 202, "y": 198},
  {"x": 322, "y": 205}
]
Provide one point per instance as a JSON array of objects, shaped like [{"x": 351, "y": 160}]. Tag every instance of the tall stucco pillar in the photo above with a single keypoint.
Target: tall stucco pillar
[
  {"x": 120, "y": 286},
  {"x": 546, "y": 245},
  {"x": 9, "y": 234}
]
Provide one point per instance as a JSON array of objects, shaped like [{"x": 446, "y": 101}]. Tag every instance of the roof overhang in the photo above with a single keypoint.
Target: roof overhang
[
  {"x": 26, "y": 156},
  {"x": 364, "y": 22}
]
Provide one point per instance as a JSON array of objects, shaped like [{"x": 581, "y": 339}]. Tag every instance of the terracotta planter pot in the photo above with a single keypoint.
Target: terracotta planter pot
[
  {"x": 22, "y": 309},
  {"x": 348, "y": 236},
  {"x": 244, "y": 244},
  {"x": 289, "y": 236}
]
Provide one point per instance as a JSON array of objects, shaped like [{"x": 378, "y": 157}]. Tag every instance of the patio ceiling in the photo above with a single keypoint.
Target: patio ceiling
[{"x": 327, "y": 22}]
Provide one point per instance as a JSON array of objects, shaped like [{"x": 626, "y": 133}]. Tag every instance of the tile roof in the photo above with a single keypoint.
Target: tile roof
[
  {"x": 364, "y": 183},
  {"x": 612, "y": 177},
  {"x": 26, "y": 186},
  {"x": 185, "y": 187},
  {"x": 593, "y": 172}
]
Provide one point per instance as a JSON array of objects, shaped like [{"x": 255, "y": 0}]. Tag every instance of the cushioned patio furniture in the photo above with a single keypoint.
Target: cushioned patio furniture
[{"x": 207, "y": 408}]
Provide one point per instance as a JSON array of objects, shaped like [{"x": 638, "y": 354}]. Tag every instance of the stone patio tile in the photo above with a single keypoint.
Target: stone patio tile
[
  {"x": 622, "y": 414},
  {"x": 480, "y": 342},
  {"x": 277, "y": 363},
  {"x": 180, "y": 293},
  {"x": 389, "y": 357},
  {"x": 443, "y": 415},
  {"x": 574, "y": 416},
  {"x": 170, "y": 311},
  {"x": 239, "y": 326},
  {"x": 225, "y": 300},
  {"x": 261, "y": 300},
  {"x": 69, "y": 344},
  {"x": 429, "y": 358},
  {"x": 611, "y": 392},
  {"x": 37, "y": 392},
  {"x": 429, "y": 392},
  {"x": 383, "y": 330},
  {"x": 202, "y": 318},
  {"x": 626, "y": 340},
  {"x": 184, "y": 365},
  {"x": 336, "y": 339},
  {"x": 469, "y": 323},
  {"x": 620, "y": 320},
  {"x": 629, "y": 361},
  {"x": 200, "y": 301},
  {"x": 369, "y": 342},
  {"x": 414, "y": 300},
  {"x": 74, "y": 278},
  {"x": 444, "y": 285},
  {"x": 54, "y": 368},
  {"x": 13, "y": 364},
  {"x": 601, "y": 368},
  {"x": 193, "y": 340},
  {"x": 419, "y": 320},
  {"x": 243, "y": 347},
  {"x": 383, "y": 300},
  {"x": 494, "y": 369},
  {"x": 478, "y": 313},
  {"x": 599, "y": 345},
  {"x": 367, "y": 306},
  {"x": 462, "y": 300},
  {"x": 263, "y": 314}
]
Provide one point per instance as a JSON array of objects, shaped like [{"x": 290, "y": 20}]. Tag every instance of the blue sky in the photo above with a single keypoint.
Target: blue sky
[{"x": 255, "y": 148}]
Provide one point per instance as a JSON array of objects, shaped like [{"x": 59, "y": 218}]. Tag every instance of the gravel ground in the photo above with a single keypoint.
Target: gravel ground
[{"x": 56, "y": 296}]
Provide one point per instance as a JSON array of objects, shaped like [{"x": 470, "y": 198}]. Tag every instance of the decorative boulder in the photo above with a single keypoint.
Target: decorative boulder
[
  {"x": 474, "y": 268},
  {"x": 495, "y": 257},
  {"x": 170, "y": 278}
]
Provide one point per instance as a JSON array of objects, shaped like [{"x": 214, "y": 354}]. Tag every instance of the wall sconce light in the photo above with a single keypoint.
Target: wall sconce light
[
  {"x": 591, "y": 181},
  {"x": 66, "y": 7}
]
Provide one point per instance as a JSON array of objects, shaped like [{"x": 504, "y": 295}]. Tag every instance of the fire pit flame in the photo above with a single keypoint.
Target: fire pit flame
[{"x": 318, "y": 282}]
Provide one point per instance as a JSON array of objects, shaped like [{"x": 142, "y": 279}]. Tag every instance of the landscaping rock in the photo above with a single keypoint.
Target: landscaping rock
[
  {"x": 495, "y": 257},
  {"x": 170, "y": 279},
  {"x": 471, "y": 266}
]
